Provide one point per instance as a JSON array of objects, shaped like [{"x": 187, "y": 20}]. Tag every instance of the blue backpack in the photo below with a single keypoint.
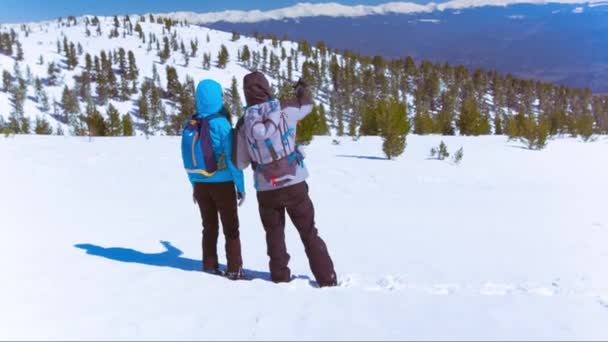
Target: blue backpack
[{"x": 197, "y": 146}]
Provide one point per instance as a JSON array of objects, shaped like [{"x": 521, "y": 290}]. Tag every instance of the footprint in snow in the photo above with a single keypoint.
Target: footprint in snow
[
  {"x": 541, "y": 291},
  {"x": 349, "y": 281},
  {"x": 492, "y": 289},
  {"x": 391, "y": 283},
  {"x": 603, "y": 300},
  {"x": 443, "y": 289}
]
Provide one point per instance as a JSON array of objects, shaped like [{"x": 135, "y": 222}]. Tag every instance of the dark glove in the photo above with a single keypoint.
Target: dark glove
[
  {"x": 302, "y": 93},
  {"x": 300, "y": 84},
  {"x": 241, "y": 197}
]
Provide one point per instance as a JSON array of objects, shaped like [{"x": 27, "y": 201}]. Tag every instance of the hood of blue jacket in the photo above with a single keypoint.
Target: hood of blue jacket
[{"x": 208, "y": 98}]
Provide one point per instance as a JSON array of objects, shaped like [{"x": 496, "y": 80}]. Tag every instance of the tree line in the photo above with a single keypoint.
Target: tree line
[{"x": 356, "y": 95}]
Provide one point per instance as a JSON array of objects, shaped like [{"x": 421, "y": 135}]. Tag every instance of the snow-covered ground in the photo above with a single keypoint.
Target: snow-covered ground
[{"x": 511, "y": 244}]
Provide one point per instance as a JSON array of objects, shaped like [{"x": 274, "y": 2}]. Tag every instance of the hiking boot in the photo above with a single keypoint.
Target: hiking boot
[
  {"x": 238, "y": 275},
  {"x": 331, "y": 283},
  {"x": 214, "y": 271}
]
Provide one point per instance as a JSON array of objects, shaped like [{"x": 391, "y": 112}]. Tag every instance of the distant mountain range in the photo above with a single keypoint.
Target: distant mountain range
[{"x": 558, "y": 41}]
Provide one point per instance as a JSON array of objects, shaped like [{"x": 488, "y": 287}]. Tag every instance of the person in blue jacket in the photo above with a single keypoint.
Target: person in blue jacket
[{"x": 215, "y": 193}]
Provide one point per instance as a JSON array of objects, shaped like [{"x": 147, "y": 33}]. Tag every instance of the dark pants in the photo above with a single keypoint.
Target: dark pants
[
  {"x": 214, "y": 198},
  {"x": 297, "y": 203}
]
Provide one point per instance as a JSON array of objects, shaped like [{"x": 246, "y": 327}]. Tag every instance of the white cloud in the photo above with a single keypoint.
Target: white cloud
[
  {"x": 333, "y": 9},
  {"x": 516, "y": 17},
  {"x": 578, "y": 10}
]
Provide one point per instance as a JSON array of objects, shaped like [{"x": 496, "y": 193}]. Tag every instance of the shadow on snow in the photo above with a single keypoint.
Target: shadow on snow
[
  {"x": 171, "y": 258},
  {"x": 360, "y": 157}
]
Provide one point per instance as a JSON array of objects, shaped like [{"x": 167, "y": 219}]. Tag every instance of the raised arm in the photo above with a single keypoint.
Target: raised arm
[{"x": 300, "y": 106}]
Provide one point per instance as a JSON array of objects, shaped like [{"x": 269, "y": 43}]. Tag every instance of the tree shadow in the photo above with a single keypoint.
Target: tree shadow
[
  {"x": 171, "y": 258},
  {"x": 360, "y": 157},
  {"x": 521, "y": 147}
]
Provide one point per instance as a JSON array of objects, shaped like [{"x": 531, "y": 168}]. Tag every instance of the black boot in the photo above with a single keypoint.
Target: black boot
[{"x": 238, "y": 275}]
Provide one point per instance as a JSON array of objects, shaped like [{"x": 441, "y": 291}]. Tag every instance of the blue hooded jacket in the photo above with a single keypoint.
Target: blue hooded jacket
[{"x": 209, "y": 101}]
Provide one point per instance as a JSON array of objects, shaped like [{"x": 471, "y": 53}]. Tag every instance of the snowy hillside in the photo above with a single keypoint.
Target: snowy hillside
[
  {"x": 121, "y": 75},
  {"x": 511, "y": 244},
  {"x": 43, "y": 42}
]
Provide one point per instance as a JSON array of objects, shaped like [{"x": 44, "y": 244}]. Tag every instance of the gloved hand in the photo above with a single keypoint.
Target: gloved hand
[
  {"x": 241, "y": 197},
  {"x": 300, "y": 83},
  {"x": 302, "y": 93}
]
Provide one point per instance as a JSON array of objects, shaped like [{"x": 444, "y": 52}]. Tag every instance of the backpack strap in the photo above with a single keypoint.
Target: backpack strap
[{"x": 214, "y": 116}]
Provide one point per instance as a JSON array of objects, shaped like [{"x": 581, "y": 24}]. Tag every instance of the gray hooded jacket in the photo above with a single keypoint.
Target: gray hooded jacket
[{"x": 257, "y": 91}]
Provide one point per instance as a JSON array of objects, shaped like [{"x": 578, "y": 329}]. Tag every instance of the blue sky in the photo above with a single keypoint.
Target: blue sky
[{"x": 32, "y": 10}]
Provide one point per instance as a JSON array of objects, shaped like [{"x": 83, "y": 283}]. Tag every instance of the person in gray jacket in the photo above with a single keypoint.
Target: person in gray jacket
[{"x": 265, "y": 139}]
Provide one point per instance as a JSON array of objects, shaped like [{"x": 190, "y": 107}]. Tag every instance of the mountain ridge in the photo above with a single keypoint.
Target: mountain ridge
[{"x": 333, "y": 9}]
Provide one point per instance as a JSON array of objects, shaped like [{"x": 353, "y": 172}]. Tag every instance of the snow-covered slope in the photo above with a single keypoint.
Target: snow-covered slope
[
  {"x": 333, "y": 9},
  {"x": 42, "y": 42},
  {"x": 511, "y": 244}
]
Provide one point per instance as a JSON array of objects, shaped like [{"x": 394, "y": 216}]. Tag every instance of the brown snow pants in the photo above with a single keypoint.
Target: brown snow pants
[
  {"x": 214, "y": 198},
  {"x": 295, "y": 200}
]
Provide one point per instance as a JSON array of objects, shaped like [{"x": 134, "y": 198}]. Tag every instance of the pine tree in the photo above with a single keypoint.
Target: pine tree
[
  {"x": 187, "y": 106},
  {"x": 470, "y": 118},
  {"x": 394, "y": 127},
  {"x": 458, "y": 156},
  {"x": 18, "y": 95},
  {"x": 122, "y": 62},
  {"x": 166, "y": 52},
  {"x": 440, "y": 152},
  {"x": 7, "y": 80},
  {"x": 52, "y": 72},
  {"x": 193, "y": 48},
  {"x": 445, "y": 117},
  {"x": 173, "y": 84},
  {"x": 369, "y": 119},
  {"x": 127, "y": 125},
  {"x": 19, "y": 51},
  {"x": 498, "y": 129},
  {"x": 26, "y": 125},
  {"x": 245, "y": 55},
  {"x": 132, "y": 72},
  {"x": 321, "y": 128},
  {"x": 38, "y": 89},
  {"x": 42, "y": 127},
  {"x": 96, "y": 125},
  {"x": 72, "y": 58},
  {"x": 234, "y": 99},
  {"x": 144, "y": 114},
  {"x": 533, "y": 131},
  {"x": 125, "y": 89},
  {"x": 222, "y": 57},
  {"x": 140, "y": 32},
  {"x": 66, "y": 46},
  {"x": 70, "y": 105},
  {"x": 584, "y": 126},
  {"x": 423, "y": 123},
  {"x": 206, "y": 61},
  {"x": 44, "y": 102}
]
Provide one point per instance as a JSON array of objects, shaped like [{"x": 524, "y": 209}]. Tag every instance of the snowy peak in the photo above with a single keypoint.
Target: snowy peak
[{"x": 332, "y": 9}]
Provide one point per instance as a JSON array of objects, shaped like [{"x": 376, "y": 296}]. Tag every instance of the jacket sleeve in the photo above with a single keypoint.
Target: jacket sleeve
[
  {"x": 237, "y": 175},
  {"x": 299, "y": 107},
  {"x": 240, "y": 152}
]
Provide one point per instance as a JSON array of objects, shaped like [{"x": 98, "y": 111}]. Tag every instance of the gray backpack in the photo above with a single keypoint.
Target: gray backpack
[{"x": 271, "y": 143}]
